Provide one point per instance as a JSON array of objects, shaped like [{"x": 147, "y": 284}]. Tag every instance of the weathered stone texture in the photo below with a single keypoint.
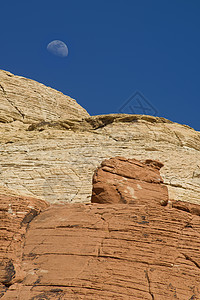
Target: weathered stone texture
[
  {"x": 16, "y": 212},
  {"x": 50, "y": 147},
  {"x": 121, "y": 180},
  {"x": 95, "y": 251},
  {"x": 55, "y": 161},
  {"x": 29, "y": 101}
]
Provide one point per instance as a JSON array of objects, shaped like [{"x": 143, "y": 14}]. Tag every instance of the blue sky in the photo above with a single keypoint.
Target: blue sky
[{"x": 116, "y": 47}]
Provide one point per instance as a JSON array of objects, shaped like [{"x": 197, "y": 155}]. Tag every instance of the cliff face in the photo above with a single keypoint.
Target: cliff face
[
  {"x": 55, "y": 160},
  {"x": 147, "y": 248},
  {"x": 15, "y": 214},
  {"x": 141, "y": 237}
]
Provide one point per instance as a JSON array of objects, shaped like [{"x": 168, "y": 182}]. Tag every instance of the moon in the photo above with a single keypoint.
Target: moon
[{"x": 58, "y": 48}]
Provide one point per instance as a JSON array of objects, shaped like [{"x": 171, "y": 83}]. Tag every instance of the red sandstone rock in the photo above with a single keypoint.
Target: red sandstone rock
[
  {"x": 120, "y": 180},
  {"x": 95, "y": 251},
  {"x": 146, "y": 250},
  {"x": 15, "y": 214}
]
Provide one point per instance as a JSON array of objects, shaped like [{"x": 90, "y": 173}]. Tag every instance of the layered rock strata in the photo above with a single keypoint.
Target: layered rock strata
[
  {"x": 134, "y": 243},
  {"x": 55, "y": 161},
  {"x": 147, "y": 248},
  {"x": 16, "y": 212},
  {"x": 121, "y": 180},
  {"x": 29, "y": 101},
  {"x": 109, "y": 251}
]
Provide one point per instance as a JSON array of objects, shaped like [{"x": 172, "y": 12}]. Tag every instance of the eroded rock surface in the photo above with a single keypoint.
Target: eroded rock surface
[
  {"x": 121, "y": 180},
  {"x": 16, "y": 212},
  {"x": 55, "y": 161},
  {"x": 95, "y": 251},
  {"x": 50, "y": 146},
  {"x": 29, "y": 101}
]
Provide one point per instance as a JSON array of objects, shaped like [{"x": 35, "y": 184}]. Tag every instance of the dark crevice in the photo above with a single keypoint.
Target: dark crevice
[
  {"x": 3, "y": 290},
  {"x": 191, "y": 260},
  {"x": 19, "y": 111},
  {"x": 192, "y": 209},
  {"x": 9, "y": 276},
  {"x": 7, "y": 285},
  {"x": 122, "y": 199},
  {"x": 149, "y": 284},
  {"x": 10, "y": 273},
  {"x": 30, "y": 216},
  {"x": 183, "y": 208}
]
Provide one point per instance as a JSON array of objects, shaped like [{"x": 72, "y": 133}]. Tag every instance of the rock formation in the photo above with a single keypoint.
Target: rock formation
[
  {"x": 55, "y": 161},
  {"x": 15, "y": 214},
  {"x": 140, "y": 240},
  {"x": 109, "y": 251},
  {"x": 121, "y": 180},
  {"x": 29, "y": 101}
]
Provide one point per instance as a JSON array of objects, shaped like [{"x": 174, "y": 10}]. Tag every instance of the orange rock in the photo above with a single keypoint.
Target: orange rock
[
  {"x": 95, "y": 251},
  {"x": 145, "y": 249},
  {"x": 15, "y": 215},
  {"x": 121, "y": 180}
]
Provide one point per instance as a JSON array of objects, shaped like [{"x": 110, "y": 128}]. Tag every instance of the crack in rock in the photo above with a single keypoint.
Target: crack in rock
[
  {"x": 149, "y": 284},
  {"x": 191, "y": 260},
  {"x": 5, "y": 94}
]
